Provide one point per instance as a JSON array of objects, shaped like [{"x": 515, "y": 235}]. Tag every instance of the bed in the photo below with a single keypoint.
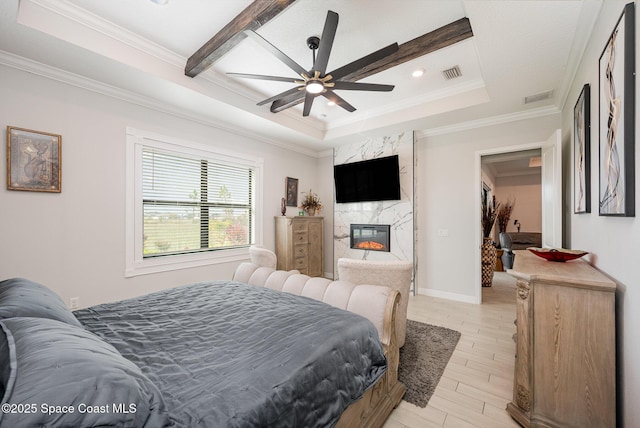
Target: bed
[{"x": 214, "y": 354}]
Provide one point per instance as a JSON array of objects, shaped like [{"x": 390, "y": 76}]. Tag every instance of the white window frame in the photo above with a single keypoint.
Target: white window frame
[{"x": 135, "y": 263}]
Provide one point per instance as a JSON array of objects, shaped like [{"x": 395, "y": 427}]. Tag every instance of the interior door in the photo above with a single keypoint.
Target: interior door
[{"x": 552, "y": 192}]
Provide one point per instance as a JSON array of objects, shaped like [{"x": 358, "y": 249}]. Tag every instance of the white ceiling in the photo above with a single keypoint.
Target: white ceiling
[
  {"x": 136, "y": 50},
  {"x": 524, "y": 162}
]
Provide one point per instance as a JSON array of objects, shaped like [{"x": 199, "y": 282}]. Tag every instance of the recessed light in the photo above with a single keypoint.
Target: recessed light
[
  {"x": 331, "y": 103},
  {"x": 159, "y": 2},
  {"x": 418, "y": 72}
]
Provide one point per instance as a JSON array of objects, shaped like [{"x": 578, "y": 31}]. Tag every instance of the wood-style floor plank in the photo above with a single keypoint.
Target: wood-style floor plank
[{"x": 477, "y": 383}]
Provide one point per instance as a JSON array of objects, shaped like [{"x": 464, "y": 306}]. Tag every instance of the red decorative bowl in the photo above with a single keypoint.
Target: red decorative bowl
[{"x": 557, "y": 254}]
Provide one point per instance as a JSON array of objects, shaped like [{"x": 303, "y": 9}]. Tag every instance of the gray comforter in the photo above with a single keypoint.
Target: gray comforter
[{"x": 226, "y": 354}]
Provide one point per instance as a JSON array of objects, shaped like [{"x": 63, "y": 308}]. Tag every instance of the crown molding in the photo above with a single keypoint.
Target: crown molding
[
  {"x": 586, "y": 22},
  {"x": 33, "y": 67},
  {"x": 100, "y": 25},
  {"x": 489, "y": 121}
]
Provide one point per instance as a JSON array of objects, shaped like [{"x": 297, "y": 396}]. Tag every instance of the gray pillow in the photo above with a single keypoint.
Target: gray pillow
[
  {"x": 20, "y": 297},
  {"x": 53, "y": 364}
]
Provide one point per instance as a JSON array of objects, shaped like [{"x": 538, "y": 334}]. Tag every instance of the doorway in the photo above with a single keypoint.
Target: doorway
[
  {"x": 550, "y": 197},
  {"x": 514, "y": 179}
]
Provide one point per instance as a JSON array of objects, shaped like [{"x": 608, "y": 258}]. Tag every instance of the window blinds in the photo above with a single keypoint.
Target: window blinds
[{"x": 194, "y": 204}]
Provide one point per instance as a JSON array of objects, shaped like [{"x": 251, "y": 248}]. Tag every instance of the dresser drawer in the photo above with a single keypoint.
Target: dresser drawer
[
  {"x": 300, "y": 238},
  {"x": 299, "y": 226},
  {"x": 300, "y": 263},
  {"x": 300, "y": 251}
]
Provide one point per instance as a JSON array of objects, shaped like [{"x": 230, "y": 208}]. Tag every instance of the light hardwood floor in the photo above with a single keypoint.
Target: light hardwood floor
[{"x": 477, "y": 383}]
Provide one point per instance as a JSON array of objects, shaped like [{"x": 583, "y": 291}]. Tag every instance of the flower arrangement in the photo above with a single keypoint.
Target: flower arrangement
[
  {"x": 311, "y": 202},
  {"x": 504, "y": 214},
  {"x": 489, "y": 214}
]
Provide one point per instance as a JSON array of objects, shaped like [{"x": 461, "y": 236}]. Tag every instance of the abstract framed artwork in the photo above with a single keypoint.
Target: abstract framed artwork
[
  {"x": 33, "y": 160},
  {"x": 292, "y": 192},
  {"x": 582, "y": 152},
  {"x": 617, "y": 116}
]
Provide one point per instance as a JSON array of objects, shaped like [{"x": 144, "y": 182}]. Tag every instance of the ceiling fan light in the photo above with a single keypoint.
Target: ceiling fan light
[{"x": 314, "y": 87}]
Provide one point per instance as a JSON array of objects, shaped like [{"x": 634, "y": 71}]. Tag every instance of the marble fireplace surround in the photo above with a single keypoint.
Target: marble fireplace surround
[{"x": 398, "y": 214}]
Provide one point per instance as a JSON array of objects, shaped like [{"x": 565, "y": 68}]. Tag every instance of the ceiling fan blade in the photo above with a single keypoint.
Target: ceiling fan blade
[
  {"x": 276, "y": 52},
  {"x": 280, "y": 95},
  {"x": 353, "y": 86},
  {"x": 308, "y": 102},
  {"x": 326, "y": 42},
  {"x": 263, "y": 77},
  {"x": 364, "y": 61},
  {"x": 332, "y": 96},
  {"x": 287, "y": 102}
]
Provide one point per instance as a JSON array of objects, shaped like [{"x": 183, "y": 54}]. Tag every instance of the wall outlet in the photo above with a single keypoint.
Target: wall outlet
[{"x": 74, "y": 303}]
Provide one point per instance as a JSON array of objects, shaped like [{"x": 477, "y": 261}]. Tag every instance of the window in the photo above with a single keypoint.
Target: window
[{"x": 190, "y": 205}]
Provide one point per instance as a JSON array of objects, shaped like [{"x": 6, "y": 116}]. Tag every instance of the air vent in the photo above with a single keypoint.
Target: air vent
[
  {"x": 538, "y": 97},
  {"x": 452, "y": 73}
]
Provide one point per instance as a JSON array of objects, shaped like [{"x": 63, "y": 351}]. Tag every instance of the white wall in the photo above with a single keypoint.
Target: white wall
[
  {"x": 446, "y": 193},
  {"x": 527, "y": 192},
  {"x": 612, "y": 241},
  {"x": 74, "y": 242}
]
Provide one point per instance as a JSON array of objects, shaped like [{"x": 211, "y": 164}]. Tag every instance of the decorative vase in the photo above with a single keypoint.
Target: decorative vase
[
  {"x": 311, "y": 212},
  {"x": 489, "y": 255}
]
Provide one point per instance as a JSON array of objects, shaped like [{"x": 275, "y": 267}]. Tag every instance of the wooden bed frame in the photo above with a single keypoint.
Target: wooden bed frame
[{"x": 375, "y": 406}]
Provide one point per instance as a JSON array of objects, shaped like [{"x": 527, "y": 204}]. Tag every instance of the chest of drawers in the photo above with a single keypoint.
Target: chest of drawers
[
  {"x": 299, "y": 244},
  {"x": 565, "y": 369}
]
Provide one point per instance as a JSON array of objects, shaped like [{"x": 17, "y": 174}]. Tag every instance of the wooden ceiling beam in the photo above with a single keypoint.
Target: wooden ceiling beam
[
  {"x": 430, "y": 42},
  {"x": 252, "y": 17}
]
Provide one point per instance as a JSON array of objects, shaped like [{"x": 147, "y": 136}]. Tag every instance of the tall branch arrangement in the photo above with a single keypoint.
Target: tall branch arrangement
[
  {"x": 504, "y": 214},
  {"x": 489, "y": 214}
]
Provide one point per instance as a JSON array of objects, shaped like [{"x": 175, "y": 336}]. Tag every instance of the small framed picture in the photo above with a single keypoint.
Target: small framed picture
[
  {"x": 292, "y": 192},
  {"x": 33, "y": 160}
]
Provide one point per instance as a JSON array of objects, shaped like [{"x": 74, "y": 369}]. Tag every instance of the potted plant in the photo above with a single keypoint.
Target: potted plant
[
  {"x": 489, "y": 253},
  {"x": 310, "y": 203}
]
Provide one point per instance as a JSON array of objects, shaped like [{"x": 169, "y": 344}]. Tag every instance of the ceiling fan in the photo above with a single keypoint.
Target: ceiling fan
[{"x": 317, "y": 81}]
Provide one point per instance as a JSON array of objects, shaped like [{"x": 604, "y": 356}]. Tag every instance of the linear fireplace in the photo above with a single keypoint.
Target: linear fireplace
[{"x": 374, "y": 237}]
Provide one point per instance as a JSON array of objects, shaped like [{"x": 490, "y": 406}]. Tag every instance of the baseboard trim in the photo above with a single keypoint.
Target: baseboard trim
[{"x": 465, "y": 298}]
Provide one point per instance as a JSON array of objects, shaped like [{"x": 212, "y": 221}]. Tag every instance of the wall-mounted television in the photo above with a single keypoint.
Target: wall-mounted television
[{"x": 371, "y": 180}]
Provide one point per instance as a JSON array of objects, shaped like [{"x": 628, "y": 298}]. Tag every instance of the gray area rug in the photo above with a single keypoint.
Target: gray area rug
[{"x": 425, "y": 354}]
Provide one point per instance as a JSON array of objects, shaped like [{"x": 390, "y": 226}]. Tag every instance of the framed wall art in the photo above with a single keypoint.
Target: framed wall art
[
  {"x": 582, "y": 152},
  {"x": 292, "y": 192},
  {"x": 33, "y": 160},
  {"x": 617, "y": 116}
]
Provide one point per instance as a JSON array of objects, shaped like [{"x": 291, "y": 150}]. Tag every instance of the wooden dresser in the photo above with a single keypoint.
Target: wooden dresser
[
  {"x": 565, "y": 369},
  {"x": 299, "y": 244}
]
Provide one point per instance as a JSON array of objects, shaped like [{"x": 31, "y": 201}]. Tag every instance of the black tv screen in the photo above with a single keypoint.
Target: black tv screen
[{"x": 371, "y": 180}]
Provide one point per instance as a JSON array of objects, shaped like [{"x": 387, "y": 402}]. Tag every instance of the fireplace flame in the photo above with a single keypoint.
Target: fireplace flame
[{"x": 369, "y": 245}]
